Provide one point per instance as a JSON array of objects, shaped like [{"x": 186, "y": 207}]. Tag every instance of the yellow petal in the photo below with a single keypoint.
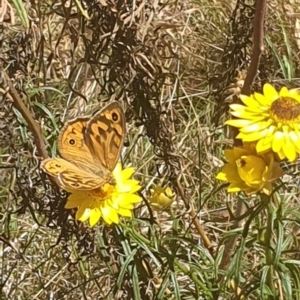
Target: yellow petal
[
  {"x": 254, "y": 117},
  {"x": 294, "y": 136},
  {"x": 263, "y": 101},
  {"x": 127, "y": 173},
  {"x": 229, "y": 154},
  {"x": 263, "y": 146},
  {"x": 125, "y": 212},
  {"x": 113, "y": 216},
  {"x": 270, "y": 92},
  {"x": 252, "y": 136},
  {"x": 130, "y": 198},
  {"x": 231, "y": 172},
  {"x": 280, "y": 154},
  {"x": 105, "y": 211},
  {"x": 118, "y": 168},
  {"x": 294, "y": 92},
  {"x": 255, "y": 127},
  {"x": 241, "y": 109},
  {"x": 238, "y": 151},
  {"x": 284, "y": 92},
  {"x": 249, "y": 101},
  {"x": 278, "y": 141},
  {"x": 135, "y": 188},
  {"x": 126, "y": 206},
  {"x": 95, "y": 215},
  {"x": 238, "y": 123},
  {"x": 82, "y": 213},
  {"x": 77, "y": 198},
  {"x": 289, "y": 150},
  {"x": 127, "y": 186},
  {"x": 295, "y": 126},
  {"x": 113, "y": 202},
  {"x": 267, "y": 189},
  {"x": 233, "y": 188},
  {"x": 222, "y": 176},
  {"x": 269, "y": 137}
]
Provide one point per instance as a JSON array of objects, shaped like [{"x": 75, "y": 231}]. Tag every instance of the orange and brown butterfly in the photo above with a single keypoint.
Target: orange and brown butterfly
[{"x": 90, "y": 148}]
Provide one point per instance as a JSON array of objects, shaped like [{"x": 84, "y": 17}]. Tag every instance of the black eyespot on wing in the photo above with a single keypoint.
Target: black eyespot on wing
[
  {"x": 72, "y": 142},
  {"x": 115, "y": 117}
]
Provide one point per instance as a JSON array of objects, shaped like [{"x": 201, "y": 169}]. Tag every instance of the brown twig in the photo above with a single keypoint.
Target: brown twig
[
  {"x": 199, "y": 228},
  {"x": 34, "y": 127},
  {"x": 258, "y": 44},
  {"x": 258, "y": 34}
]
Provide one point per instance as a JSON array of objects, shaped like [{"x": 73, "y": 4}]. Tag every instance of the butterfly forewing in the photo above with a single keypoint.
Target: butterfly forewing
[
  {"x": 71, "y": 144},
  {"x": 105, "y": 135}
]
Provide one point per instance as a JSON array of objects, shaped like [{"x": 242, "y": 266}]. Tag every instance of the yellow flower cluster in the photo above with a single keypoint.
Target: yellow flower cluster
[
  {"x": 109, "y": 201},
  {"x": 269, "y": 126}
]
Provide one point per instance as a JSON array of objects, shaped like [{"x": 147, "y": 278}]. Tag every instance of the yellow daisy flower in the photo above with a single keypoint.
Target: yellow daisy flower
[
  {"x": 161, "y": 198},
  {"x": 272, "y": 119},
  {"x": 248, "y": 172},
  {"x": 109, "y": 201}
]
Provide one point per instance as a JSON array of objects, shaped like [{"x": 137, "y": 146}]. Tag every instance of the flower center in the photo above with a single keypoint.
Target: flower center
[
  {"x": 103, "y": 192},
  {"x": 285, "y": 110}
]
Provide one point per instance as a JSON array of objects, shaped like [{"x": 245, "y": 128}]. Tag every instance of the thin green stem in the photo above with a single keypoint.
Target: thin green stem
[{"x": 269, "y": 253}]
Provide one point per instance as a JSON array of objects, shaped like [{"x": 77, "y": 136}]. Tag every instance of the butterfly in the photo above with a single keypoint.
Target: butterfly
[{"x": 89, "y": 148}]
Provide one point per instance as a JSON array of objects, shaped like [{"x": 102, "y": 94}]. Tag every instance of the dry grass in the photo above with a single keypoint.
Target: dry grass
[{"x": 171, "y": 65}]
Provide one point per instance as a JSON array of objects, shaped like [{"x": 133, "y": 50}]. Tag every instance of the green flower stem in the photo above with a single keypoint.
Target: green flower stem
[
  {"x": 193, "y": 276},
  {"x": 269, "y": 254},
  {"x": 136, "y": 234}
]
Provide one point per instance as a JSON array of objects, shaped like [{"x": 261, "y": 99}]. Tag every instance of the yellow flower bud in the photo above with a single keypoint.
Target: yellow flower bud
[{"x": 161, "y": 198}]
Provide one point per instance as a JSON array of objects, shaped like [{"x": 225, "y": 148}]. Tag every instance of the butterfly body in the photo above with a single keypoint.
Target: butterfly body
[{"x": 90, "y": 149}]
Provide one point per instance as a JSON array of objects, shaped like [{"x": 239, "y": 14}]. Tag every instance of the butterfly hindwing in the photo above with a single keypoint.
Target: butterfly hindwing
[{"x": 70, "y": 176}]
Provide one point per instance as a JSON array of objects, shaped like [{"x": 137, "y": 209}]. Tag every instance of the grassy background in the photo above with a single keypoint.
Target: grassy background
[{"x": 175, "y": 66}]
